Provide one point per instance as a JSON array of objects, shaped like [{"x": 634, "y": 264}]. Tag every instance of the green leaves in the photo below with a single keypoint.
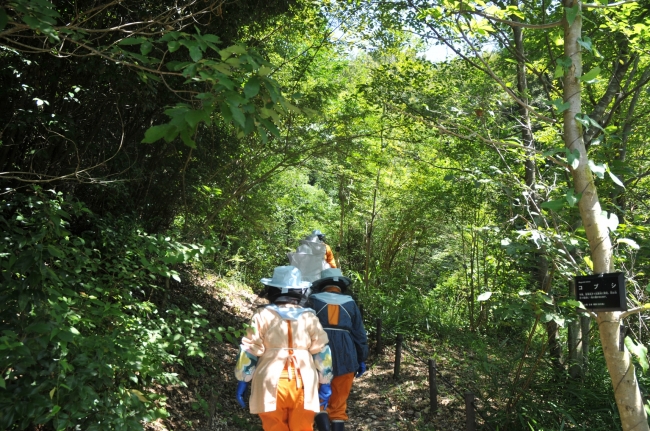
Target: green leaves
[
  {"x": 229, "y": 51},
  {"x": 572, "y": 197},
  {"x": 40, "y": 15},
  {"x": 614, "y": 178},
  {"x": 237, "y": 114},
  {"x": 194, "y": 117},
  {"x": 572, "y": 13},
  {"x": 587, "y": 121},
  {"x": 560, "y": 105},
  {"x": 55, "y": 252},
  {"x": 173, "y": 45},
  {"x": 4, "y": 19},
  {"x": 78, "y": 293},
  {"x": 585, "y": 42},
  {"x": 240, "y": 79},
  {"x": 639, "y": 351},
  {"x": 591, "y": 76},
  {"x": 563, "y": 64},
  {"x": 252, "y": 87},
  {"x": 146, "y": 48},
  {"x": 573, "y": 158},
  {"x": 554, "y": 205},
  {"x": 156, "y": 133},
  {"x": 195, "y": 52},
  {"x": 240, "y": 90},
  {"x": 598, "y": 170}
]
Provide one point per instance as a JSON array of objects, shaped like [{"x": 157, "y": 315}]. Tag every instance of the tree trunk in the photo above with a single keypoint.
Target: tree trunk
[
  {"x": 554, "y": 346},
  {"x": 585, "y": 329},
  {"x": 530, "y": 167},
  {"x": 575, "y": 342},
  {"x": 470, "y": 301},
  {"x": 341, "y": 220},
  {"x": 621, "y": 370},
  {"x": 621, "y": 154},
  {"x": 522, "y": 88},
  {"x": 370, "y": 226}
]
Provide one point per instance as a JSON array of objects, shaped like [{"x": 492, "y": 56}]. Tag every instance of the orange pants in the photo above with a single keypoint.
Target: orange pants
[
  {"x": 338, "y": 404},
  {"x": 290, "y": 413}
]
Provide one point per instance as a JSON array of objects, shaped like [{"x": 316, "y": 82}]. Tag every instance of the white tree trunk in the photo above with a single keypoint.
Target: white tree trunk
[{"x": 621, "y": 370}]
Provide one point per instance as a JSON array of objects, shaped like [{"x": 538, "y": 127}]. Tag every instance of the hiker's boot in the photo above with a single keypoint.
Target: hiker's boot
[
  {"x": 322, "y": 420},
  {"x": 338, "y": 425}
]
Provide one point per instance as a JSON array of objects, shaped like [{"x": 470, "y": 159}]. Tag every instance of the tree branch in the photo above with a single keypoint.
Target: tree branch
[
  {"x": 514, "y": 23},
  {"x": 603, "y": 6},
  {"x": 636, "y": 310}
]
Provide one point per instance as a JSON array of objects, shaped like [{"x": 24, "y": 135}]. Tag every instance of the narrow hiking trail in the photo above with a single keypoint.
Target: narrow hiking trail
[{"x": 377, "y": 402}]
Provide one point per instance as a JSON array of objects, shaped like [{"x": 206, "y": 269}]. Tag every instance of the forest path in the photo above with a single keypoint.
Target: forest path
[{"x": 377, "y": 401}]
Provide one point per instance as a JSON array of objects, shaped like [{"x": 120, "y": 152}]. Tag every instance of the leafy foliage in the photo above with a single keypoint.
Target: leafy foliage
[
  {"x": 82, "y": 346},
  {"x": 261, "y": 124}
]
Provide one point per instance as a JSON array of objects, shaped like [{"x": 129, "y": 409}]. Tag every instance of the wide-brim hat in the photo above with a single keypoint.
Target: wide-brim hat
[
  {"x": 286, "y": 278},
  {"x": 329, "y": 277}
]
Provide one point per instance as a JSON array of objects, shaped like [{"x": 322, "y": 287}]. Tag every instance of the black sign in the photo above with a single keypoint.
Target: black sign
[{"x": 602, "y": 292}]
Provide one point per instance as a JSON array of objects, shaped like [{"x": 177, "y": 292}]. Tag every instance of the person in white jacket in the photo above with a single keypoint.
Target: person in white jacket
[{"x": 286, "y": 356}]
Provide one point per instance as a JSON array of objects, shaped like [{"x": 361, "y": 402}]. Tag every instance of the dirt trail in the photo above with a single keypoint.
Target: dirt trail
[{"x": 377, "y": 401}]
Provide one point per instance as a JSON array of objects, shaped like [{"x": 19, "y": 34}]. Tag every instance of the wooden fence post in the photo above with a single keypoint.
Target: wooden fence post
[
  {"x": 378, "y": 347},
  {"x": 398, "y": 356},
  {"x": 433, "y": 388},
  {"x": 469, "y": 408}
]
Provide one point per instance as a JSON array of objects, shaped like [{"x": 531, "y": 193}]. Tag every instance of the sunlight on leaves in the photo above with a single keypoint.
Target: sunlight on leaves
[
  {"x": 484, "y": 296},
  {"x": 598, "y": 170},
  {"x": 629, "y": 242}
]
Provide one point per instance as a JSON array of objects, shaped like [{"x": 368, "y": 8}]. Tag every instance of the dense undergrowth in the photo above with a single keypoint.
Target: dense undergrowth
[
  {"x": 81, "y": 339},
  {"x": 102, "y": 324},
  {"x": 504, "y": 362}
]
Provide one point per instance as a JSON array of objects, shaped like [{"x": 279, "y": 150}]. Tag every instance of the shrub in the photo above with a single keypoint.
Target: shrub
[{"x": 80, "y": 344}]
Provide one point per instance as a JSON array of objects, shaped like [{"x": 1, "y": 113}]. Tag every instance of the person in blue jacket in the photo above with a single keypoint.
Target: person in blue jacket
[{"x": 341, "y": 319}]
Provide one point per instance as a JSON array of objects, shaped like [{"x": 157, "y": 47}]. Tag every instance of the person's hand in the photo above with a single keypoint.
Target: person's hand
[
  {"x": 361, "y": 369},
  {"x": 241, "y": 388},
  {"x": 324, "y": 394}
]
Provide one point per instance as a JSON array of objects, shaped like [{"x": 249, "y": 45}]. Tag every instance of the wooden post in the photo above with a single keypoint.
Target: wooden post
[
  {"x": 398, "y": 356},
  {"x": 469, "y": 409},
  {"x": 378, "y": 347},
  {"x": 433, "y": 387}
]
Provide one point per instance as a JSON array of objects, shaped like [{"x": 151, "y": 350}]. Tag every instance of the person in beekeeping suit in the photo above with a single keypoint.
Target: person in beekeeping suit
[
  {"x": 329, "y": 255},
  {"x": 286, "y": 356},
  {"x": 341, "y": 318}
]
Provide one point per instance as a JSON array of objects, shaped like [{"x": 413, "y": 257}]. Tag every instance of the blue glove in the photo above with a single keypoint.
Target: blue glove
[
  {"x": 361, "y": 370},
  {"x": 241, "y": 388},
  {"x": 324, "y": 393}
]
